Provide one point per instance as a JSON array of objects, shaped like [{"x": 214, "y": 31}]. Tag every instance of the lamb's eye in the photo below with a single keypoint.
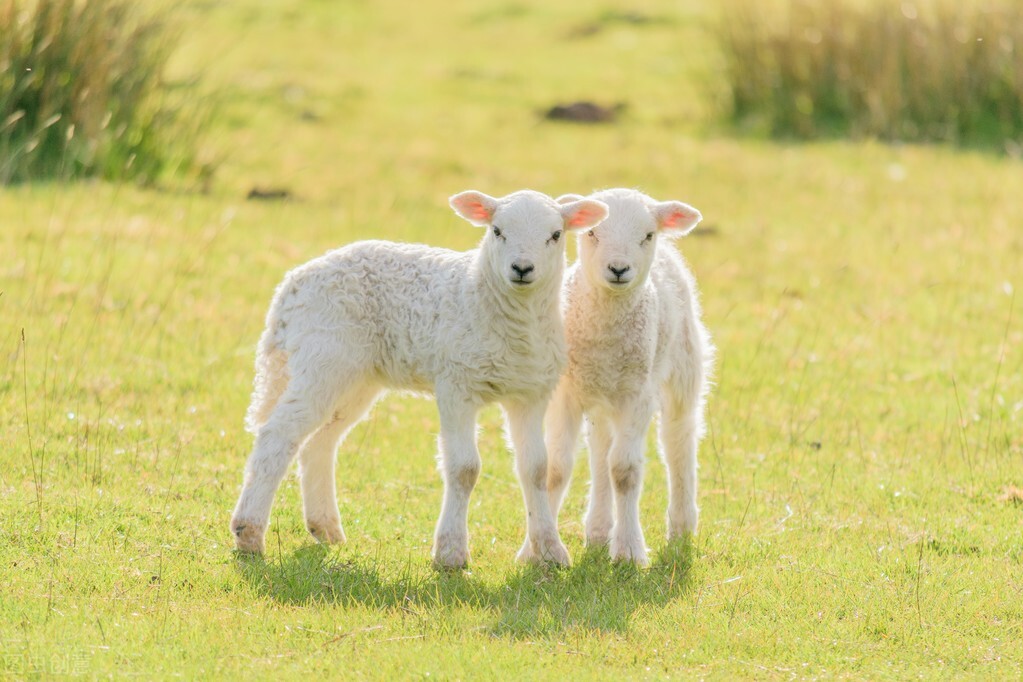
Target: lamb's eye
[
  {"x": 649, "y": 236},
  {"x": 556, "y": 236},
  {"x": 497, "y": 231},
  {"x": 593, "y": 235}
]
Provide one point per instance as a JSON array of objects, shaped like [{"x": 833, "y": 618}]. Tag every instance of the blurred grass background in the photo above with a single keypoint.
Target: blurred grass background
[
  {"x": 924, "y": 70},
  {"x": 87, "y": 91},
  {"x": 83, "y": 93}
]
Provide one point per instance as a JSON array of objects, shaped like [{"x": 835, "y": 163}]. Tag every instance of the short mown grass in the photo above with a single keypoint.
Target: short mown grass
[{"x": 864, "y": 431}]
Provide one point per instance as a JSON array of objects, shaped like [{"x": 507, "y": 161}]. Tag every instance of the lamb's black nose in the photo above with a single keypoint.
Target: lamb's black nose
[
  {"x": 522, "y": 270},
  {"x": 618, "y": 272}
]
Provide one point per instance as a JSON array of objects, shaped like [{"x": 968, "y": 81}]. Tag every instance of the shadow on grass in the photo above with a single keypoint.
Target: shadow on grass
[{"x": 593, "y": 594}]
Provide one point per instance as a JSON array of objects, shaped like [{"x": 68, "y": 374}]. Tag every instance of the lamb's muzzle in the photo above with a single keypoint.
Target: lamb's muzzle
[
  {"x": 522, "y": 269},
  {"x": 618, "y": 270}
]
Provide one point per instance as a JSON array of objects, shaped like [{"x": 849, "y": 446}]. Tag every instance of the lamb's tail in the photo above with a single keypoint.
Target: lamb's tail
[{"x": 271, "y": 373}]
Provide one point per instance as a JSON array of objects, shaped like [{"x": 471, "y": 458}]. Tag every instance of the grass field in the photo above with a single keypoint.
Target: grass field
[{"x": 861, "y": 484}]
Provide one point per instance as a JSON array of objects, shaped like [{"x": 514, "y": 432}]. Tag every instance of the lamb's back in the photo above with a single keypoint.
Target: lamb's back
[{"x": 391, "y": 300}]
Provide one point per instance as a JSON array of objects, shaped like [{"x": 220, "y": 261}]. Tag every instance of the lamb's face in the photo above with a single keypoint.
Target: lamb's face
[
  {"x": 618, "y": 253},
  {"x": 525, "y": 240}
]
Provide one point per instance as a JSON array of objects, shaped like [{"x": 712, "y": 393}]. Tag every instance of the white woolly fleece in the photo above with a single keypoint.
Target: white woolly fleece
[
  {"x": 471, "y": 328},
  {"x": 636, "y": 345}
]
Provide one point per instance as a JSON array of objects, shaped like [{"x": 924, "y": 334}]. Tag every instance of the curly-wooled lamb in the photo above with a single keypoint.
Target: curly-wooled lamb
[
  {"x": 635, "y": 344},
  {"x": 472, "y": 328}
]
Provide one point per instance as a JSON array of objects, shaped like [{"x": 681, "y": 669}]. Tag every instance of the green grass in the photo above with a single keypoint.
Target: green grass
[
  {"x": 864, "y": 429},
  {"x": 83, "y": 94},
  {"x": 930, "y": 70}
]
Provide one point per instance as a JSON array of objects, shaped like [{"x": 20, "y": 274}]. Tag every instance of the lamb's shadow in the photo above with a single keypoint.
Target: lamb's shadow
[{"x": 594, "y": 593}]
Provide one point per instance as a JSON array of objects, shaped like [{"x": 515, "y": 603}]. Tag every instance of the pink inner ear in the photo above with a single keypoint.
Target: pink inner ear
[
  {"x": 673, "y": 219},
  {"x": 677, "y": 218},
  {"x": 581, "y": 217},
  {"x": 474, "y": 209}
]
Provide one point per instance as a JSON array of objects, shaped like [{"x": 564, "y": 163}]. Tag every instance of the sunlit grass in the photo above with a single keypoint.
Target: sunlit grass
[
  {"x": 864, "y": 429},
  {"x": 925, "y": 70}
]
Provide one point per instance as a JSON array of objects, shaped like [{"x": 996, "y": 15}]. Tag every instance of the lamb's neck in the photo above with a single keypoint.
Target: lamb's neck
[
  {"x": 534, "y": 308},
  {"x": 612, "y": 303}
]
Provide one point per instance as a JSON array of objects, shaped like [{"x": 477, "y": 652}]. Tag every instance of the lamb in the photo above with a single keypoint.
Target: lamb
[
  {"x": 636, "y": 343},
  {"x": 472, "y": 328}
]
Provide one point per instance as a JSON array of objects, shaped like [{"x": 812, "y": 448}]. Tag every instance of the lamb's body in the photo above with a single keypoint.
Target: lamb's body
[
  {"x": 399, "y": 312},
  {"x": 471, "y": 328},
  {"x": 635, "y": 347},
  {"x": 607, "y": 366}
]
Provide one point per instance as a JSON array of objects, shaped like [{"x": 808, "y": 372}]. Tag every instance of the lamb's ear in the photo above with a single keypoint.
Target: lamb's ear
[
  {"x": 569, "y": 198},
  {"x": 476, "y": 207},
  {"x": 675, "y": 217},
  {"x": 583, "y": 214}
]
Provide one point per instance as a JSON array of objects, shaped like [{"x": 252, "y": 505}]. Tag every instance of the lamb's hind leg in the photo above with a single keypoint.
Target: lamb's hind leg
[
  {"x": 316, "y": 465},
  {"x": 599, "y": 516},
  {"x": 679, "y": 434},
  {"x": 304, "y": 407},
  {"x": 562, "y": 423}
]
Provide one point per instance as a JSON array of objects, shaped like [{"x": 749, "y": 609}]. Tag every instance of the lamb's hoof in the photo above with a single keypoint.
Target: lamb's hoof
[
  {"x": 327, "y": 532},
  {"x": 548, "y": 550},
  {"x": 526, "y": 554},
  {"x": 248, "y": 537},
  {"x": 450, "y": 554},
  {"x": 599, "y": 525},
  {"x": 683, "y": 525},
  {"x": 629, "y": 550},
  {"x": 598, "y": 536},
  {"x": 685, "y": 532}
]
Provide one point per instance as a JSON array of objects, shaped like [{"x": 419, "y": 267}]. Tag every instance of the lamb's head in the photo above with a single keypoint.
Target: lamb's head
[
  {"x": 525, "y": 241},
  {"x": 617, "y": 254}
]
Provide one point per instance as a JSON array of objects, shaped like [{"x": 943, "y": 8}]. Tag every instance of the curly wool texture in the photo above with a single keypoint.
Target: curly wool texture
[
  {"x": 411, "y": 315},
  {"x": 471, "y": 328}
]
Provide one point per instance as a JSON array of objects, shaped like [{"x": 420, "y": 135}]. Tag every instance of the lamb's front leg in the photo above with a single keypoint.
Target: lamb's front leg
[
  {"x": 460, "y": 465},
  {"x": 626, "y": 459},
  {"x": 525, "y": 428},
  {"x": 561, "y": 426}
]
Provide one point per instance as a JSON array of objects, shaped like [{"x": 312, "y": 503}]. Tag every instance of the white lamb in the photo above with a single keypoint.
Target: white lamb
[
  {"x": 472, "y": 328},
  {"x": 636, "y": 343}
]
